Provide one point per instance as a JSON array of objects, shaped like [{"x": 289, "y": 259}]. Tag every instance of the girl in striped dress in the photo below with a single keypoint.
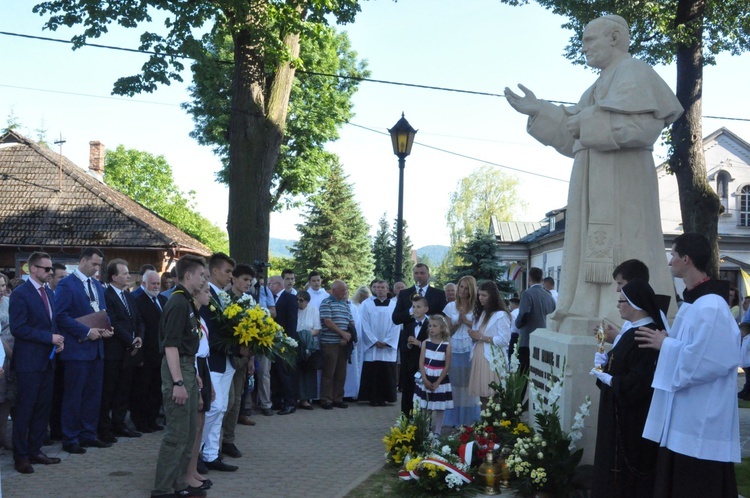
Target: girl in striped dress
[{"x": 434, "y": 392}]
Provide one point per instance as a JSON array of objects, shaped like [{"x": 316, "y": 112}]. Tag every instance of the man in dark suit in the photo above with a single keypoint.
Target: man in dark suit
[
  {"x": 536, "y": 304},
  {"x": 220, "y": 267},
  {"x": 410, "y": 345},
  {"x": 142, "y": 287},
  {"x": 119, "y": 351},
  {"x": 32, "y": 323},
  {"x": 78, "y": 295},
  {"x": 286, "y": 316},
  {"x": 145, "y": 396},
  {"x": 435, "y": 298}
]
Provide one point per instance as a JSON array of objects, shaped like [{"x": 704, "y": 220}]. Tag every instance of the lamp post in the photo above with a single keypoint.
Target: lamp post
[{"x": 402, "y": 137}]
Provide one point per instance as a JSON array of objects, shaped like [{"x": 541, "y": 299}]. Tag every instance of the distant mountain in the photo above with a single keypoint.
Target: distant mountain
[
  {"x": 435, "y": 253},
  {"x": 278, "y": 247}
]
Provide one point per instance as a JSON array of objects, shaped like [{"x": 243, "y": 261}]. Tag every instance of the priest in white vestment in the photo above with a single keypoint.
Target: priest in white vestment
[{"x": 379, "y": 336}]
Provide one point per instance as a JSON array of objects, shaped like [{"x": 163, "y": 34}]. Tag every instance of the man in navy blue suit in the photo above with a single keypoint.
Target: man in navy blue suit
[
  {"x": 32, "y": 323},
  {"x": 77, "y": 295}
]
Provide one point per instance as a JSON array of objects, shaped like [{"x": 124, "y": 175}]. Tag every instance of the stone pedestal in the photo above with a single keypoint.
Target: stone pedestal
[{"x": 576, "y": 352}]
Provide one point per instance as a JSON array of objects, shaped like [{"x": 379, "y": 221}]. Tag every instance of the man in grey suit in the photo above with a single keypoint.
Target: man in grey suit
[{"x": 536, "y": 304}]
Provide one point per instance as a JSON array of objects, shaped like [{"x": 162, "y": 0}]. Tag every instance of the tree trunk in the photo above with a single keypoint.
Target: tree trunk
[
  {"x": 699, "y": 204},
  {"x": 258, "y": 116}
]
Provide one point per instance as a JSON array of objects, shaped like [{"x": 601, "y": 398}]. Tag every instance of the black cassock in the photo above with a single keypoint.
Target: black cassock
[{"x": 624, "y": 463}]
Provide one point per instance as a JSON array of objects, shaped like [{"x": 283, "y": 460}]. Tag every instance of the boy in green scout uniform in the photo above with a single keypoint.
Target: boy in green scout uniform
[{"x": 179, "y": 335}]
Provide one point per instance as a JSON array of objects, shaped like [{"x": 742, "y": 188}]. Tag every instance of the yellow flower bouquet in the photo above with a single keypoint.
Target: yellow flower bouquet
[{"x": 254, "y": 327}]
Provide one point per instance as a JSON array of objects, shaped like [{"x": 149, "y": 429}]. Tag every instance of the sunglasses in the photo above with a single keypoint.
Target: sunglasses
[{"x": 45, "y": 268}]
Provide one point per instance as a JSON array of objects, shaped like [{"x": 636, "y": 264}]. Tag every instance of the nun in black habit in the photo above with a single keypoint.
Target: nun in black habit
[{"x": 624, "y": 462}]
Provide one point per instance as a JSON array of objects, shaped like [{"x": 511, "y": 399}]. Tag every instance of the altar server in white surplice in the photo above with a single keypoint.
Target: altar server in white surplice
[
  {"x": 693, "y": 413},
  {"x": 380, "y": 345}
]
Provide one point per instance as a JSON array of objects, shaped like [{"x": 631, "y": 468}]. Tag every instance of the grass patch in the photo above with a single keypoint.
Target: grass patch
[
  {"x": 742, "y": 471},
  {"x": 743, "y": 403},
  {"x": 381, "y": 484}
]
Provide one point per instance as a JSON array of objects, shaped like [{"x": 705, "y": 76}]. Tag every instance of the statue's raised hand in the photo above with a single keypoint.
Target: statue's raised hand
[{"x": 528, "y": 104}]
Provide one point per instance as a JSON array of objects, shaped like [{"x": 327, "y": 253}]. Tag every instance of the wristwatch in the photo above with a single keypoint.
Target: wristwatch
[{"x": 179, "y": 383}]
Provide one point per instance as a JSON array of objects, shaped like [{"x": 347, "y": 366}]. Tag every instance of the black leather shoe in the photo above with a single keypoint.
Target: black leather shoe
[
  {"x": 23, "y": 466},
  {"x": 220, "y": 466},
  {"x": 340, "y": 404},
  {"x": 108, "y": 438},
  {"x": 267, "y": 412},
  {"x": 74, "y": 448},
  {"x": 287, "y": 410},
  {"x": 191, "y": 492},
  {"x": 201, "y": 467},
  {"x": 127, "y": 433},
  {"x": 144, "y": 429},
  {"x": 327, "y": 406},
  {"x": 230, "y": 450},
  {"x": 206, "y": 484},
  {"x": 43, "y": 459},
  {"x": 95, "y": 443}
]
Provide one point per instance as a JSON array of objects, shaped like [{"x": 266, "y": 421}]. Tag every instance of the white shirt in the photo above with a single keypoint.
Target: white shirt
[
  {"x": 317, "y": 296},
  {"x": 377, "y": 326},
  {"x": 460, "y": 341},
  {"x": 694, "y": 407}
]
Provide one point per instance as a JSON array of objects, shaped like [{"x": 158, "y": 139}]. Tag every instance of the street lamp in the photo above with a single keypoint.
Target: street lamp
[{"x": 402, "y": 136}]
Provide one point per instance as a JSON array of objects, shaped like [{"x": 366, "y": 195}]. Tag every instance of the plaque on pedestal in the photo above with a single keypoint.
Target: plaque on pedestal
[{"x": 552, "y": 349}]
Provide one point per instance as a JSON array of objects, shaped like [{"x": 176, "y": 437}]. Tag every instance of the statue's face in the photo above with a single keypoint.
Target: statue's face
[{"x": 598, "y": 47}]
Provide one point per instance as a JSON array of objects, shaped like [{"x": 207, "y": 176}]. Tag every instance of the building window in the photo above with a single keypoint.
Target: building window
[
  {"x": 745, "y": 206},
  {"x": 722, "y": 189}
]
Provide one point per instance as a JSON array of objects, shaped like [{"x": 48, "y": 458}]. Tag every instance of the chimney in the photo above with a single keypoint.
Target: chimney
[{"x": 96, "y": 159}]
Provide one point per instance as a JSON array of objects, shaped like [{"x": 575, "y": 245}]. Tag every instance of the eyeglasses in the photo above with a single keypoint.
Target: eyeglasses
[{"x": 45, "y": 268}]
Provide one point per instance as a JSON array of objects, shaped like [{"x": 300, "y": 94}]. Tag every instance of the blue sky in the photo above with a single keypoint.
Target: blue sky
[{"x": 475, "y": 45}]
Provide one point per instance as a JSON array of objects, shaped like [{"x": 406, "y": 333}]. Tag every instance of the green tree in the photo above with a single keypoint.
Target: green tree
[
  {"x": 484, "y": 193},
  {"x": 12, "y": 122},
  {"x": 266, "y": 48},
  {"x": 408, "y": 262},
  {"x": 148, "y": 180},
  {"x": 479, "y": 258},
  {"x": 692, "y": 33},
  {"x": 382, "y": 251},
  {"x": 303, "y": 162},
  {"x": 334, "y": 237}
]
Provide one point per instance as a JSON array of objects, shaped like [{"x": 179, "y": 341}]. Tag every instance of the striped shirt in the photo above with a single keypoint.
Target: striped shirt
[{"x": 339, "y": 313}]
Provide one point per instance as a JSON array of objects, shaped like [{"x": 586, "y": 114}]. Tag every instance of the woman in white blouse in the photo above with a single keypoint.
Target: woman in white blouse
[
  {"x": 308, "y": 325},
  {"x": 460, "y": 314},
  {"x": 491, "y": 327}
]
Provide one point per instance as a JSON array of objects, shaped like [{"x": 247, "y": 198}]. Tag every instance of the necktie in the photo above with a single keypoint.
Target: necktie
[
  {"x": 91, "y": 291},
  {"x": 125, "y": 303},
  {"x": 421, "y": 292},
  {"x": 275, "y": 299},
  {"x": 46, "y": 301},
  {"x": 156, "y": 302}
]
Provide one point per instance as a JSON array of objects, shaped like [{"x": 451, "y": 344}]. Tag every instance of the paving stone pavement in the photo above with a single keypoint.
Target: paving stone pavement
[{"x": 316, "y": 453}]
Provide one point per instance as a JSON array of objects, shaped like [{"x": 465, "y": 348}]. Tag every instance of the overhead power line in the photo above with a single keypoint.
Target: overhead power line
[
  {"x": 483, "y": 161},
  {"x": 312, "y": 73}
]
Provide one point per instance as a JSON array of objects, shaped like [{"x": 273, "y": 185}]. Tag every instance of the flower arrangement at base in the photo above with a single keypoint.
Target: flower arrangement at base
[
  {"x": 409, "y": 436},
  {"x": 254, "y": 328},
  {"x": 437, "y": 472},
  {"x": 546, "y": 460}
]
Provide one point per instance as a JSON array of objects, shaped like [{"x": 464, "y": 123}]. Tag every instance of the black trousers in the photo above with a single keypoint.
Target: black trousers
[
  {"x": 118, "y": 380},
  {"x": 33, "y": 401},
  {"x": 145, "y": 394}
]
